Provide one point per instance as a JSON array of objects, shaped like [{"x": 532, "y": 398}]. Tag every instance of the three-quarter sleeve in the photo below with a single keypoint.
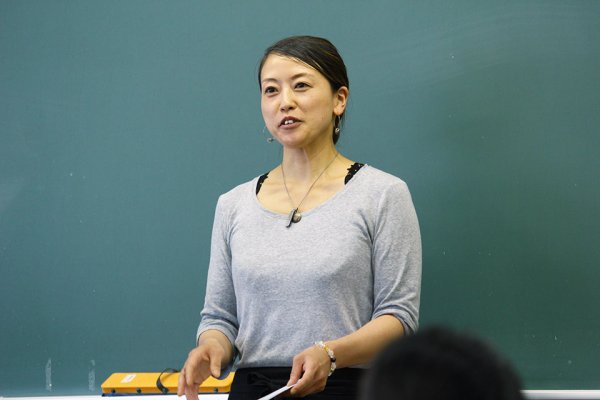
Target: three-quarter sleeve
[
  {"x": 396, "y": 258},
  {"x": 219, "y": 310}
]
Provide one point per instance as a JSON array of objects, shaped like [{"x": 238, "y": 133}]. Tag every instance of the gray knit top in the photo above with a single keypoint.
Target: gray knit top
[{"x": 274, "y": 291}]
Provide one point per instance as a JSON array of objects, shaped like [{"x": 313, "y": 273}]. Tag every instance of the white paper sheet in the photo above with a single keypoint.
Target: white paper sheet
[{"x": 277, "y": 392}]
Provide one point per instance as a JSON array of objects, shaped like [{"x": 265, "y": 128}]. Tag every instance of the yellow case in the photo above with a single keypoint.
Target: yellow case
[{"x": 145, "y": 383}]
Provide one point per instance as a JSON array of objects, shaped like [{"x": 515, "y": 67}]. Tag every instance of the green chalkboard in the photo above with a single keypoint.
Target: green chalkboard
[{"x": 122, "y": 121}]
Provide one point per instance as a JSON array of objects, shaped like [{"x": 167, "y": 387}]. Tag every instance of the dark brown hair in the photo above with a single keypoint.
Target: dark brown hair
[{"x": 319, "y": 54}]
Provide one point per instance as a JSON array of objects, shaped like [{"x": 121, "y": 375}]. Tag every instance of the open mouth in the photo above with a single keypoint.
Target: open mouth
[{"x": 289, "y": 121}]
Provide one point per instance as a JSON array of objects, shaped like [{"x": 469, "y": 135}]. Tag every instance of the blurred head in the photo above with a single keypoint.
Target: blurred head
[
  {"x": 314, "y": 53},
  {"x": 439, "y": 364}
]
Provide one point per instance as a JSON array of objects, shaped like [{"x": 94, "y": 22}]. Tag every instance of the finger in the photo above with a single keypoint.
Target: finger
[
  {"x": 296, "y": 373},
  {"x": 309, "y": 386},
  {"x": 215, "y": 367},
  {"x": 191, "y": 387},
  {"x": 301, "y": 388},
  {"x": 304, "y": 383},
  {"x": 191, "y": 392},
  {"x": 181, "y": 383}
]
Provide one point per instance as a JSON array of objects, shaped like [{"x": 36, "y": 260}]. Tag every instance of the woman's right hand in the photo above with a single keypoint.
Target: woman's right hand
[{"x": 203, "y": 361}]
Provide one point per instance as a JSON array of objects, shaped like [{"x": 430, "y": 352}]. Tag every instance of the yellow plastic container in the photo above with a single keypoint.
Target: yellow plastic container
[{"x": 145, "y": 383}]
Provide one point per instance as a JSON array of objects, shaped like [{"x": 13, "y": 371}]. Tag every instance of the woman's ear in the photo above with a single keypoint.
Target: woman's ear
[{"x": 341, "y": 99}]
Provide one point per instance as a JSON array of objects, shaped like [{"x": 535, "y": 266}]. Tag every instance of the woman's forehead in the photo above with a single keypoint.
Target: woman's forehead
[{"x": 277, "y": 66}]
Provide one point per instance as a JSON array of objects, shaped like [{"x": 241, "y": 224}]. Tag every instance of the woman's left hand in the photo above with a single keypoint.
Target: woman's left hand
[{"x": 310, "y": 371}]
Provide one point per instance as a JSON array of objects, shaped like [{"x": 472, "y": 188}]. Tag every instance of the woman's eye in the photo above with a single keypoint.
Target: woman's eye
[
  {"x": 301, "y": 85},
  {"x": 269, "y": 90}
]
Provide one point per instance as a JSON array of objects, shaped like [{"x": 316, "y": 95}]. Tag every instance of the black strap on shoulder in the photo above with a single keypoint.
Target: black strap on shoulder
[
  {"x": 261, "y": 179},
  {"x": 352, "y": 170}
]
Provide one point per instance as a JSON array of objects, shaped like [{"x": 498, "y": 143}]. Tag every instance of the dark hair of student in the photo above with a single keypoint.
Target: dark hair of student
[
  {"x": 319, "y": 54},
  {"x": 440, "y": 364}
]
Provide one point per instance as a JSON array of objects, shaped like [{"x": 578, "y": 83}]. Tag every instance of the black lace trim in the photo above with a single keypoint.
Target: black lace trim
[
  {"x": 261, "y": 179},
  {"x": 351, "y": 172}
]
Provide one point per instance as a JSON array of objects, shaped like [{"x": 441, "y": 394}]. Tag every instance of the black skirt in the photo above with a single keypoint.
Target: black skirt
[{"x": 254, "y": 383}]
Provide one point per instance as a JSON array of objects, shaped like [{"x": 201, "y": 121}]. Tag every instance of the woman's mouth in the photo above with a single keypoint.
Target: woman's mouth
[{"x": 289, "y": 122}]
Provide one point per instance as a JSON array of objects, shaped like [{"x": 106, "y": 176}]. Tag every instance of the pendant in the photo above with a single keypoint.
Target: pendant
[
  {"x": 297, "y": 216},
  {"x": 294, "y": 216},
  {"x": 290, "y": 218}
]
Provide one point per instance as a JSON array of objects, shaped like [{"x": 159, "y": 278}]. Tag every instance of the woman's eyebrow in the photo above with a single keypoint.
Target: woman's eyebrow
[{"x": 293, "y": 77}]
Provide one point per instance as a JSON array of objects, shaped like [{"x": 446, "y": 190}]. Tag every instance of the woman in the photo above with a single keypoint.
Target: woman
[{"x": 316, "y": 265}]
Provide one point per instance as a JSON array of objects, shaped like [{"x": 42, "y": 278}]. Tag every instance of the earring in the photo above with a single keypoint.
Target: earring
[
  {"x": 338, "y": 119},
  {"x": 270, "y": 138}
]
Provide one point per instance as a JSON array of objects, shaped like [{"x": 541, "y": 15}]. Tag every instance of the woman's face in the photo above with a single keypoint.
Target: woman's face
[{"x": 297, "y": 102}]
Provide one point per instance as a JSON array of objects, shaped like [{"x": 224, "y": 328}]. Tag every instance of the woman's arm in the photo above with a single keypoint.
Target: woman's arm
[
  {"x": 213, "y": 351},
  {"x": 311, "y": 367},
  {"x": 219, "y": 338},
  {"x": 360, "y": 347},
  {"x": 218, "y": 327}
]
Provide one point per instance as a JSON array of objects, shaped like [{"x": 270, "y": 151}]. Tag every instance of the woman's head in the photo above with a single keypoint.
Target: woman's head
[{"x": 319, "y": 54}]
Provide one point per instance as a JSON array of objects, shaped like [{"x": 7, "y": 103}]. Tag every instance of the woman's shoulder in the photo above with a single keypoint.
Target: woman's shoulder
[
  {"x": 240, "y": 193},
  {"x": 388, "y": 191},
  {"x": 238, "y": 190},
  {"x": 377, "y": 179}
]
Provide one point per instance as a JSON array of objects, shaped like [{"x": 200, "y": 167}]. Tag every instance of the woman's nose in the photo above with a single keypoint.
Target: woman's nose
[{"x": 287, "y": 100}]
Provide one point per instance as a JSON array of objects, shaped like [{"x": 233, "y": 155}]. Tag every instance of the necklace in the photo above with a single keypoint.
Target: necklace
[{"x": 295, "y": 216}]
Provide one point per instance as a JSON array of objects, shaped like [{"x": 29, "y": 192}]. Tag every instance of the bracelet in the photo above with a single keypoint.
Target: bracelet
[{"x": 330, "y": 354}]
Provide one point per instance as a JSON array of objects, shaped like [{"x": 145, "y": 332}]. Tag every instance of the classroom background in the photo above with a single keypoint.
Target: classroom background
[{"x": 121, "y": 122}]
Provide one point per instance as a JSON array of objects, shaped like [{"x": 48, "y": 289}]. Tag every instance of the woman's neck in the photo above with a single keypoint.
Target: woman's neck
[{"x": 304, "y": 165}]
